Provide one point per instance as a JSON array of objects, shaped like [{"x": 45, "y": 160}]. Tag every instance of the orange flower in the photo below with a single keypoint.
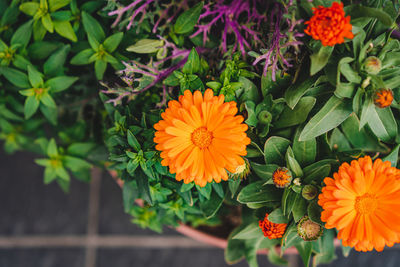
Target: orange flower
[
  {"x": 270, "y": 229},
  {"x": 383, "y": 98},
  {"x": 282, "y": 177},
  {"x": 362, "y": 202},
  {"x": 200, "y": 138},
  {"x": 329, "y": 25}
]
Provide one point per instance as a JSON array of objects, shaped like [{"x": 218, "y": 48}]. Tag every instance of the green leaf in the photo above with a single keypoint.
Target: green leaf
[
  {"x": 112, "y": 42},
  {"x": 393, "y": 157},
  {"x": 60, "y": 83},
  {"x": 76, "y": 164},
  {"x": 305, "y": 152},
  {"x": 305, "y": 251},
  {"x": 35, "y": 77},
  {"x": 297, "y": 115},
  {"x": 314, "y": 212},
  {"x": 49, "y": 175},
  {"x": 48, "y": 23},
  {"x": 39, "y": 31},
  {"x": 93, "y": 27},
  {"x": 251, "y": 231},
  {"x": 360, "y": 11},
  {"x": 234, "y": 186},
  {"x": 62, "y": 173},
  {"x": 320, "y": 59},
  {"x": 318, "y": 171},
  {"x": 57, "y": 4},
  {"x": 100, "y": 67},
  {"x": 55, "y": 63},
  {"x": 47, "y": 100},
  {"x": 129, "y": 194},
  {"x": 326, "y": 248},
  {"x": 132, "y": 166},
  {"x": 29, "y": 8},
  {"x": 192, "y": 64},
  {"x": 275, "y": 259},
  {"x": 299, "y": 208},
  {"x": 292, "y": 163},
  {"x": 360, "y": 139},
  {"x": 383, "y": 124},
  {"x": 82, "y": 58},
  {"x": 277, "y": 216},
  {"x": 31, "y": 106},
  {"x": 23, "y": 34},
  {"x": 65, "y": 29},
  {"x": 250, "y": 91},
  {"x": 80, "y": 149},
  {"x": 93, "y": 42},
  {"x": 15, "y": 77},
  {"x": 264, "y": 171},
  {"x": 132, "y": 141},
  {"x": 234, "y": 251},
  {"x": 146, "y": 46},
  {"x": 52, "y": 150},
  {"x": 258, "y": 193},
  {"x": 332, "y": 114},
  {"x": 50, "y": 113},
  {"x": 211, "y": 206},
  {"x": 296, "y": 91},
  {"x": 143, "y": 186},
  {"x": 274, "y": 150},
  {"x": 188, "y": 19}
]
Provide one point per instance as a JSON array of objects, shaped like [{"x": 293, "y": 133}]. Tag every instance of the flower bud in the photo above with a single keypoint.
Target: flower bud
[
  {"x": 309, "y": 192},
  {"x": 242, "y": 171},
  {"x": 282, "y": 177},
  {"x": 372, "y": 65},
  {"x": 309, "y": 230},
  {"x": 264, "y": 117},
  {"x": 383, "y": 98},
  {"x": 297, "y": 181}
]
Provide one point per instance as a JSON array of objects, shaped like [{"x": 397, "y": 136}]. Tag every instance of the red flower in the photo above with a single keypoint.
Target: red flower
[{"x": 329, "y": 25}]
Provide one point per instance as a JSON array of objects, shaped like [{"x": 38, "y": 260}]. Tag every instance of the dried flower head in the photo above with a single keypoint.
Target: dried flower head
[
  {"x": 309, "y": 230},
  {"x": 329, "y": 25},
  {"x": 383, "y": 98},
  {"x": 282, "y": 177},
  {"x": 270, "y": 229}
]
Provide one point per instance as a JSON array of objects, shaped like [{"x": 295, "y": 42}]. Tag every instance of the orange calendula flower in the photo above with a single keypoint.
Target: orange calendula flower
[
  {"x": 362, "y": 202},
  {"x": 201, "y": 138},
  {"x": 272, "y": 230},
  {"x": 329, "y": 25},
  {"x": 383, "y": 98},
  {"x": 282, "y": 177}
]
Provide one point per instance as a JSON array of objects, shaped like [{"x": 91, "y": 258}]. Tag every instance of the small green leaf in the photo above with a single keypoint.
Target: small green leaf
[
  {"x": 31, "y": 106},
  {"x": 93, "y": 27},
  {"x": 29, "y": 8},
  {"x": 264, "y": 171},
  {"x": 35, "y": 77},
  {"x": 305, "y": 251},
  {"x": 52, "y": 150},
  {"x": 276, "y": 216},
  {"x": 320, "y": 59},
  {"x": 48, "y": 23},
  {"x": 50, "y": 113},
  {"x": 82, "y": 58},
  {"x": 296, "y": 91},
  {"x": 57, "y": 4},
  {"x": 146, "y": 46},
  {"x": 258, "y": 193},
  {"x": 188, "y": 19},
  {"x": 305, "y": 152},
  {"x": 55, "y": 63},
  {"x": 100, "y": 67},
  {"x": 360, "y": 11},
  {"x": 60, "y": 83},
  {"x": 132, "y": 141},
  {"x": 15, "y": 77},
  {"x": 112, "y": 42},
  {"x": 211, "y": 206},
  {"x": 65, "y": 29},
  {"x": 393, "y": 156},
  {"x": 297, "y": 115},
  {"x": 23, "y": 34},
  {"x": 192, "y": 64},
  {"x": 47, "y": 100}
]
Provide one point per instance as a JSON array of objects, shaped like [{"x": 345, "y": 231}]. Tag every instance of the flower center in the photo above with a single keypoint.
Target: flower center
[
  {"x": 201, "y": 137},
  {"x": 366, "y": 204}
]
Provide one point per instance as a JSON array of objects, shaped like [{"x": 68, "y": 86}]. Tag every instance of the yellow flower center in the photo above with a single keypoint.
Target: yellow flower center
[
  {"x": 201, "y": 137},
  {"x": 366, "y": 204}
]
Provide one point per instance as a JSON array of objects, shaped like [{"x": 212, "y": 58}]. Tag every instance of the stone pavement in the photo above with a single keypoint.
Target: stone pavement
[{"x": 40, "y": 226}]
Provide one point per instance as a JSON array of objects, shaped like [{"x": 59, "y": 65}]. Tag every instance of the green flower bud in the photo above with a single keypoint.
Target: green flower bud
[
  {"x": 264, "y": 117},
  {"x": 309, "y": 230},
  {"x": 242, "y": 171},
  {"x": 372, "y": 65},
  {"x": 309, "y": 192}
]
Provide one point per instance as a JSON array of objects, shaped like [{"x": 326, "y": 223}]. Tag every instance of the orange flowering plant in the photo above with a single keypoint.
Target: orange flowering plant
[{"x": 301, "y": 152}]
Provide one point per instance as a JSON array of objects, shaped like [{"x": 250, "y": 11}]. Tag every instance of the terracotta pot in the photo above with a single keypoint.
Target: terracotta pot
[{"x": 205, "y": 237}]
